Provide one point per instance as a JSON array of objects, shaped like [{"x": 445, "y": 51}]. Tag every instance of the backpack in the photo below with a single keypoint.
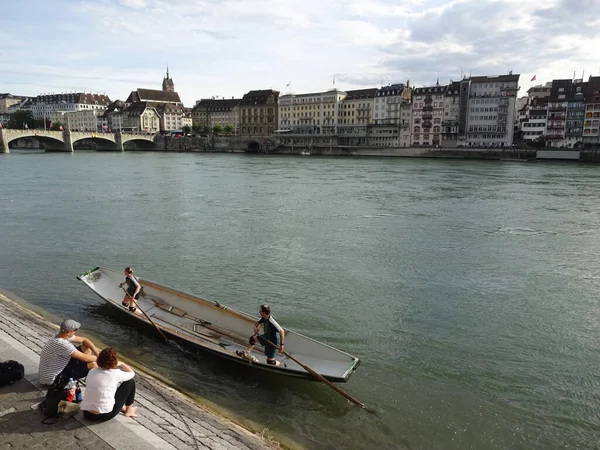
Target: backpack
[
  {"x": 57, "y": 392},
  {"x": 11, "y": 371}
]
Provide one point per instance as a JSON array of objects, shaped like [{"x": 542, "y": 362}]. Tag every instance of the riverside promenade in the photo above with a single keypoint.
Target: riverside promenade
[{"x": 166, "y": 418}]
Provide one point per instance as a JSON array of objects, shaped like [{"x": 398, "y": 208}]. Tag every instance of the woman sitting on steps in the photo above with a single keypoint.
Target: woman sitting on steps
[{"x": 110, "y": 389}]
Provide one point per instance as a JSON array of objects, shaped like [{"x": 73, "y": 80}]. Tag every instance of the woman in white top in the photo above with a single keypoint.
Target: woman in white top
[{"x": 110, "y": 389}]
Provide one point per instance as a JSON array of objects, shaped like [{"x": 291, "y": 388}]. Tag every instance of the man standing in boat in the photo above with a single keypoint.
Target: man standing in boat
[
  {"x": 272, "y": 332},
  {"x": 132, "y": 291}
]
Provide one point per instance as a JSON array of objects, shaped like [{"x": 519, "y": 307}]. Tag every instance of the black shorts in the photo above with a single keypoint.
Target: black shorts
[
  {"x": 76, "y": 368},
  {"x": 130, "y": 293}
]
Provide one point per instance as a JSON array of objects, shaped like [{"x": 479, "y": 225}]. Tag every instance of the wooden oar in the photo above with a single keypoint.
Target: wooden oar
[
  {"x": 147, "y": 317},
  {"x": 320, "y": 377}
]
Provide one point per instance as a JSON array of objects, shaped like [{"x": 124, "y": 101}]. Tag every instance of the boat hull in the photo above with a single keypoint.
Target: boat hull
[{"x": 217, "y": 329}]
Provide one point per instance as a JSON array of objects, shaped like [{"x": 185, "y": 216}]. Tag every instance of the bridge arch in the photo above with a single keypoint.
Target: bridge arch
[
  {"x": 11, "y": 137},
  {"x": 49, "y": 143},
  {"x": 139, "y": 144},
  {"x": 99, "y": 142},
  {"x": 253, "y": 146}
]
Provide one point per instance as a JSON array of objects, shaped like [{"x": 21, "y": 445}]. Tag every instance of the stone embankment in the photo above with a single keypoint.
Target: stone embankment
[{"x": 166, "y": 418}]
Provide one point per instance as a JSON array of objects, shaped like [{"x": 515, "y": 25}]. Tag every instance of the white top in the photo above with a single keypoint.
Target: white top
[
  {"x": 101, "y": 386},
  {"x": 54, "y": 358}
]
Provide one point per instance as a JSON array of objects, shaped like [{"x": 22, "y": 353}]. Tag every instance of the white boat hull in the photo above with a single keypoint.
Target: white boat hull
[{"x": 219, "y": 329}]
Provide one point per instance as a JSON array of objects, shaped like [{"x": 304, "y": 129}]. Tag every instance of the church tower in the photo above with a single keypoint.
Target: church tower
[{"x": 168, "y": 85}]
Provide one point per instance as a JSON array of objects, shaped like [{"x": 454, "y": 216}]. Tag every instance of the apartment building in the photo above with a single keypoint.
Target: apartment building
[
  {"x": 44, "y": 105},
  {"x": 259, "y": 112},
  {"x": 427, "y": 115},
  {"x": 591, "y": 125},
  {"x": 489, "y": 104}
]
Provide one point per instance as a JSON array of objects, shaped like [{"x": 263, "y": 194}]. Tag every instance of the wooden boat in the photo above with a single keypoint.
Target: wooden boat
[{"x": 219, "y": 329}]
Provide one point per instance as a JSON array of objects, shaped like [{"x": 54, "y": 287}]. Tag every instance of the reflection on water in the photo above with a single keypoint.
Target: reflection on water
[{"x": 468, "y": 289}]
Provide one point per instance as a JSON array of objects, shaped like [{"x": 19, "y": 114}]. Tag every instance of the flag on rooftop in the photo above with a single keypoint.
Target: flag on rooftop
[{"x": 534, "y": 77}]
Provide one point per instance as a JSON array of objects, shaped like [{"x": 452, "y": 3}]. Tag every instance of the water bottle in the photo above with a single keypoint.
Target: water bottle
[
  {"x": 78, "y": 395},
  {"x": 71, "y": 388}
]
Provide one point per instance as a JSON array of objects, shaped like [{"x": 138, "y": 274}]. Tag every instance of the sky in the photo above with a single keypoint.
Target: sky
[{"x": 226, "y": 48}]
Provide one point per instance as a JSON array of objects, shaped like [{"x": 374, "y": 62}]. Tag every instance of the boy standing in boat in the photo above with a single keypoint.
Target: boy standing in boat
[
  {"x": 132, "y": 291},
  {"x": 272, "y": 332}
]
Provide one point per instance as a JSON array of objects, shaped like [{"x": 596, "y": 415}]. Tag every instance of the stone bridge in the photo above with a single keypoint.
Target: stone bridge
[{"x": 62, "y": 141}]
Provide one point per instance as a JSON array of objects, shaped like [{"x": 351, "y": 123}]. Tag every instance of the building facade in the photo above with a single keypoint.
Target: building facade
[
  {"x": 392, "y": 118},
  {"x": 591, "y": 124},
  {"x": 451, "y": 116},
  {"x": 427, "y": 115},
  {"x": 490, "y": 110},
  {"x": 83, "y": 120},
  {"x": 566, "y": 112},
  {"x": 259, "y": 113},
  {"x": 173, "y": 117},
  {"x": 8, "y": 101},
  {"x": 534, "y": 114},
  {"x": 43, "y": 106},
  {"x": 140, "y": 116}
]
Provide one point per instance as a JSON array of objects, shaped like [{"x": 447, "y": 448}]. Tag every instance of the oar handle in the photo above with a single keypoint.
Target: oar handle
[{"x": 320, "y": 377}]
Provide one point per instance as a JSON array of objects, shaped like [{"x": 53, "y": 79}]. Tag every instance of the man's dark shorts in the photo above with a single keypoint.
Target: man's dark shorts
[
  {"x": 76, "y": 368},
  {"x": 270, "y": 351}
]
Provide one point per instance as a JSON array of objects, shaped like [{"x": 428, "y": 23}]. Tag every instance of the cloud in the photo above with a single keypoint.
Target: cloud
[{"x": 228, "y": 47}]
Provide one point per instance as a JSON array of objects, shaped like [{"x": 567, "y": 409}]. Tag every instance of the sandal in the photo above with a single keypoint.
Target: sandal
[
  {"x": 125, "y": 304},
  {"x": 132, "y": 308}
]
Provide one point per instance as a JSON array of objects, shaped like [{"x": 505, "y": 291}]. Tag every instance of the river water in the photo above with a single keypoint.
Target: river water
[{"x": 467, "y": 288}]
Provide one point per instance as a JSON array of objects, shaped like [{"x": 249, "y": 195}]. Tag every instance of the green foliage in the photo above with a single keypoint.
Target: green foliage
[
  {"x": 21, "y": 119},
  {"x": 228, "y": 129},
  {"x": 539, "y": 142},
  {"x": 217, "y": 129},
  {"x": 186, "y": 129}
]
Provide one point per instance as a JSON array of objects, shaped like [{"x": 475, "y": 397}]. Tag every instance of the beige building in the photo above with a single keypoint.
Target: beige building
[
  {"x": 259, "y": 113},
  {"x": 84, "y": 120},
  {"x": 140, "y": 116},
  {"x": 316, "y": 113},
  {"x": 211, "y": 112},
  {"x": 7, "y": 101}
]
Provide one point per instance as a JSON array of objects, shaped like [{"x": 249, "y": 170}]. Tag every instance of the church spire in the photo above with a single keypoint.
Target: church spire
[{"x": 167, "y": 84}]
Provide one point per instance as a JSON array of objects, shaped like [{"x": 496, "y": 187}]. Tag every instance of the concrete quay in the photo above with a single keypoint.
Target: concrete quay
[{"x": 166, "y": 418}]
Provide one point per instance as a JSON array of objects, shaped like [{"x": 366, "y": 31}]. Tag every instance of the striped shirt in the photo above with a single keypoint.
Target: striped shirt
[{"x": 54, "y": 358}]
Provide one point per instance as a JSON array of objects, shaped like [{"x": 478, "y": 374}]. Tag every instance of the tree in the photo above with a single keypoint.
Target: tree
[
  {"x": 228, "y": 129},
  {"x": 539, "y": 142},
  {"x": 56, "y": 126},
  {"x": 217, "y": 129},
  {"x": 186, "y": 129},
  {"x": 197, "y": 128},
  {"x": 21, "y": 119}
]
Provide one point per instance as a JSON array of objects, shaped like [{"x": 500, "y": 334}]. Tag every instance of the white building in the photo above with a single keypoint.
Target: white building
[
  {"x": 532, "y": 116},
  {"x": 44, "y": 105},
  {"x": 173, "y": 117},
  {"x": 392, "y": 116},
  {"x": 491, "y": 110}
]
